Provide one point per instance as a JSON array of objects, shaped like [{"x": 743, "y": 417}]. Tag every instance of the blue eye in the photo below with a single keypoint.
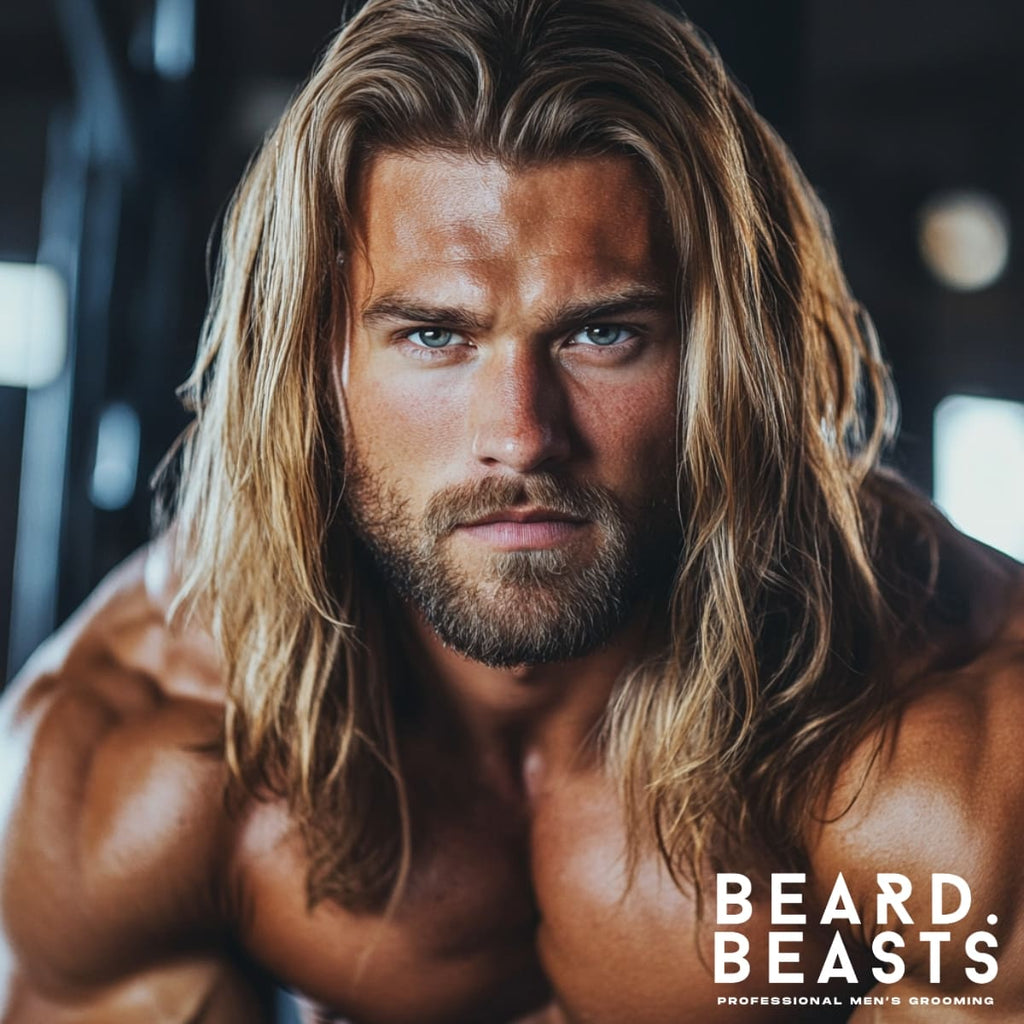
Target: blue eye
[
  {"x": 432, "y": 337},
  {"x": 603, "y": 335}
]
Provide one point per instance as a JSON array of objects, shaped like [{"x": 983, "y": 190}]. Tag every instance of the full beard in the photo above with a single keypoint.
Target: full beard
[{"x": 524, "y": 607}]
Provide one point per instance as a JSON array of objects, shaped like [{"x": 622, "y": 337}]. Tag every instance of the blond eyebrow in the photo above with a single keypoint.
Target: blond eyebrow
[{"x": 397, "y": 308}]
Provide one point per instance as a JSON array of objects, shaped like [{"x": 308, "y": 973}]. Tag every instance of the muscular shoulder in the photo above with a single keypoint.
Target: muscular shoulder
[
  {"x": 112, "y": 793},
  {"x": 621, "y": 947},
  {"x": 939, "y": 790}
]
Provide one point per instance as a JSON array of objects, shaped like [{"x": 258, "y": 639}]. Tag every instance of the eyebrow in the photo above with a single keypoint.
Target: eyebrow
[
  {"x": 635, "y": 299},
  {"x": 394, "y": 307}
]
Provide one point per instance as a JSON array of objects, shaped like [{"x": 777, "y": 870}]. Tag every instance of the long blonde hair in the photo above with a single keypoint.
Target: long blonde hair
[{"x": 784, "y": 407}]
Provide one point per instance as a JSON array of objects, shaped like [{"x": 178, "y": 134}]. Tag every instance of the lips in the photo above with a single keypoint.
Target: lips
[
  {"x": 519, "y": 529},
  {"x": 525, "y": 515}
]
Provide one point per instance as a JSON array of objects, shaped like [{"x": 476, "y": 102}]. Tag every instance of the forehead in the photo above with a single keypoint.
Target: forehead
[{"x": 438, "y": 212}]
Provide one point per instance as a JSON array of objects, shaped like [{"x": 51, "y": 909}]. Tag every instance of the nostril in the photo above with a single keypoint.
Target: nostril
[{"x": 521, "y": 446}]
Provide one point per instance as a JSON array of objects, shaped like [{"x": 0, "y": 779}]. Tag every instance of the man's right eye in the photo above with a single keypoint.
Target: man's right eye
[{"x": 434, "y": 337}]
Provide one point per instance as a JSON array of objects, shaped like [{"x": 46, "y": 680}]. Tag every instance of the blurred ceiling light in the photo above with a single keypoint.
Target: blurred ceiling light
[
  {"x": 979, "y": 468},
  {"x": 116, "y": 467},
  {"x": 174, "y": 38},
  {"x": 33, "y": 324},
  {"x": 964, "y": 239}
]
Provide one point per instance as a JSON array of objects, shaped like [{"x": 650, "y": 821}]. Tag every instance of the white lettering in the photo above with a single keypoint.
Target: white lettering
[
  {"x": 974, "y": 940},
  {"x": 781, "y": 898},
  {"x": 739, "y": 897},
  {"x": 935, "y": 941},
  {"x": 840, "y": 906},
  {"x": 736, "y": 956},
  {"x": 940, "y": 916},
  {"x": 893, "y": 891},
  {"x": 887, "y": 956},
  {"x": 776, "y": 957},
  {"x": 837, "y": 963}
]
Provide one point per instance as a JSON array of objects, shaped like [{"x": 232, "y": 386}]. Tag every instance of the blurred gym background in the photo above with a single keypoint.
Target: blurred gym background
[{"x": 125, "y": 124}]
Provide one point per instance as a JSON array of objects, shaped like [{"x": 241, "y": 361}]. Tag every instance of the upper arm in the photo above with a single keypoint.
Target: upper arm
[
  {"x": 111, "y": 828},
  {"x": 944, "y": 795}
]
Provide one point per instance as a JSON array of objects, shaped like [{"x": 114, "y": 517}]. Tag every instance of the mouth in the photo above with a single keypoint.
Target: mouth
[
  {"x": 513, "y": 529},
  {"x": 525, "y": 515}
]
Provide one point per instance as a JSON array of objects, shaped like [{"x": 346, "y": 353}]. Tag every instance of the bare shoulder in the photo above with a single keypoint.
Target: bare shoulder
[
  {"x": 111, "y": 789},
  {"x": 938, "y": 790},
  {"x": 626, "y": 946}
]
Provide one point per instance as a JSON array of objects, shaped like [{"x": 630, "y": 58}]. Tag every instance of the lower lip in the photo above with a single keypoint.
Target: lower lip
[{"x": 512, "y": 536}]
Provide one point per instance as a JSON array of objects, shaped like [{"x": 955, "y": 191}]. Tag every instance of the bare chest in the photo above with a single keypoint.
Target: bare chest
[
  {"x": 460, "y": 944},
  {"x": 621, "y": 945},
  {"x": 502, "y": 918}
]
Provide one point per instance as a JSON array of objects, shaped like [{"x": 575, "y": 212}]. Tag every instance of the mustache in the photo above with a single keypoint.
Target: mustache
[{"x": 451, "y": 507}]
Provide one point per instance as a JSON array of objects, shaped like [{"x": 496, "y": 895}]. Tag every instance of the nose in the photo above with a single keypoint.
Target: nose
[{"x": 519, "y": 411}]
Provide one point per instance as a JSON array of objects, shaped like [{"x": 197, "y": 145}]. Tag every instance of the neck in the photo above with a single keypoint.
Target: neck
[{"x": 525, "y": 714}]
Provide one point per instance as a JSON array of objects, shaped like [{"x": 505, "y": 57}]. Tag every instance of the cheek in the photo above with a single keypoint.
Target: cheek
[
  {"x": 632, "y": 434},
  {"x": 401, "y": 429}
]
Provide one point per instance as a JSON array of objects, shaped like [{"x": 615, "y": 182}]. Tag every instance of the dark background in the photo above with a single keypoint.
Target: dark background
[{"x": 118, "y": 157}]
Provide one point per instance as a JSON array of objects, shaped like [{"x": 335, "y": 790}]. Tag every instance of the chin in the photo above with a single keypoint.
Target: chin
[{"x": 515, "y": 625}]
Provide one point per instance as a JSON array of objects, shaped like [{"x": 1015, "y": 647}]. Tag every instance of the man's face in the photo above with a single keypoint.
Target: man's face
[{"x": 509, "y": 382}]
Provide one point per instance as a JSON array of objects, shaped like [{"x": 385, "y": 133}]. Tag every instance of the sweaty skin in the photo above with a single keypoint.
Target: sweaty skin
[{"x": 131, "y": 894}]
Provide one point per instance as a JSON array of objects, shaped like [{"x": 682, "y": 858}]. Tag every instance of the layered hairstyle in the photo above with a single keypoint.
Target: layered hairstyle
[{"x": 724, "y": 736}]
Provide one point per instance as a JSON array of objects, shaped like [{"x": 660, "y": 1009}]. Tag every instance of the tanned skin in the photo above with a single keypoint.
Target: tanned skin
[{"x": 130, "y": 894}]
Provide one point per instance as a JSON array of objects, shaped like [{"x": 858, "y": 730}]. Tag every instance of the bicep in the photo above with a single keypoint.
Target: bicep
[
  {"x": 94, "y": 882},
  {"x": 935, "y": 819}
]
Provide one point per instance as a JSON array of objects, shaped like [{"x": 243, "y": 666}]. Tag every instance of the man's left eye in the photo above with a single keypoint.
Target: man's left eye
[{"x": 604, "y": 335}]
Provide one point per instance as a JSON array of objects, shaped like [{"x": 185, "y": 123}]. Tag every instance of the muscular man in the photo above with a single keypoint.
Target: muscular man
[{"x": 535, "y": 634}]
